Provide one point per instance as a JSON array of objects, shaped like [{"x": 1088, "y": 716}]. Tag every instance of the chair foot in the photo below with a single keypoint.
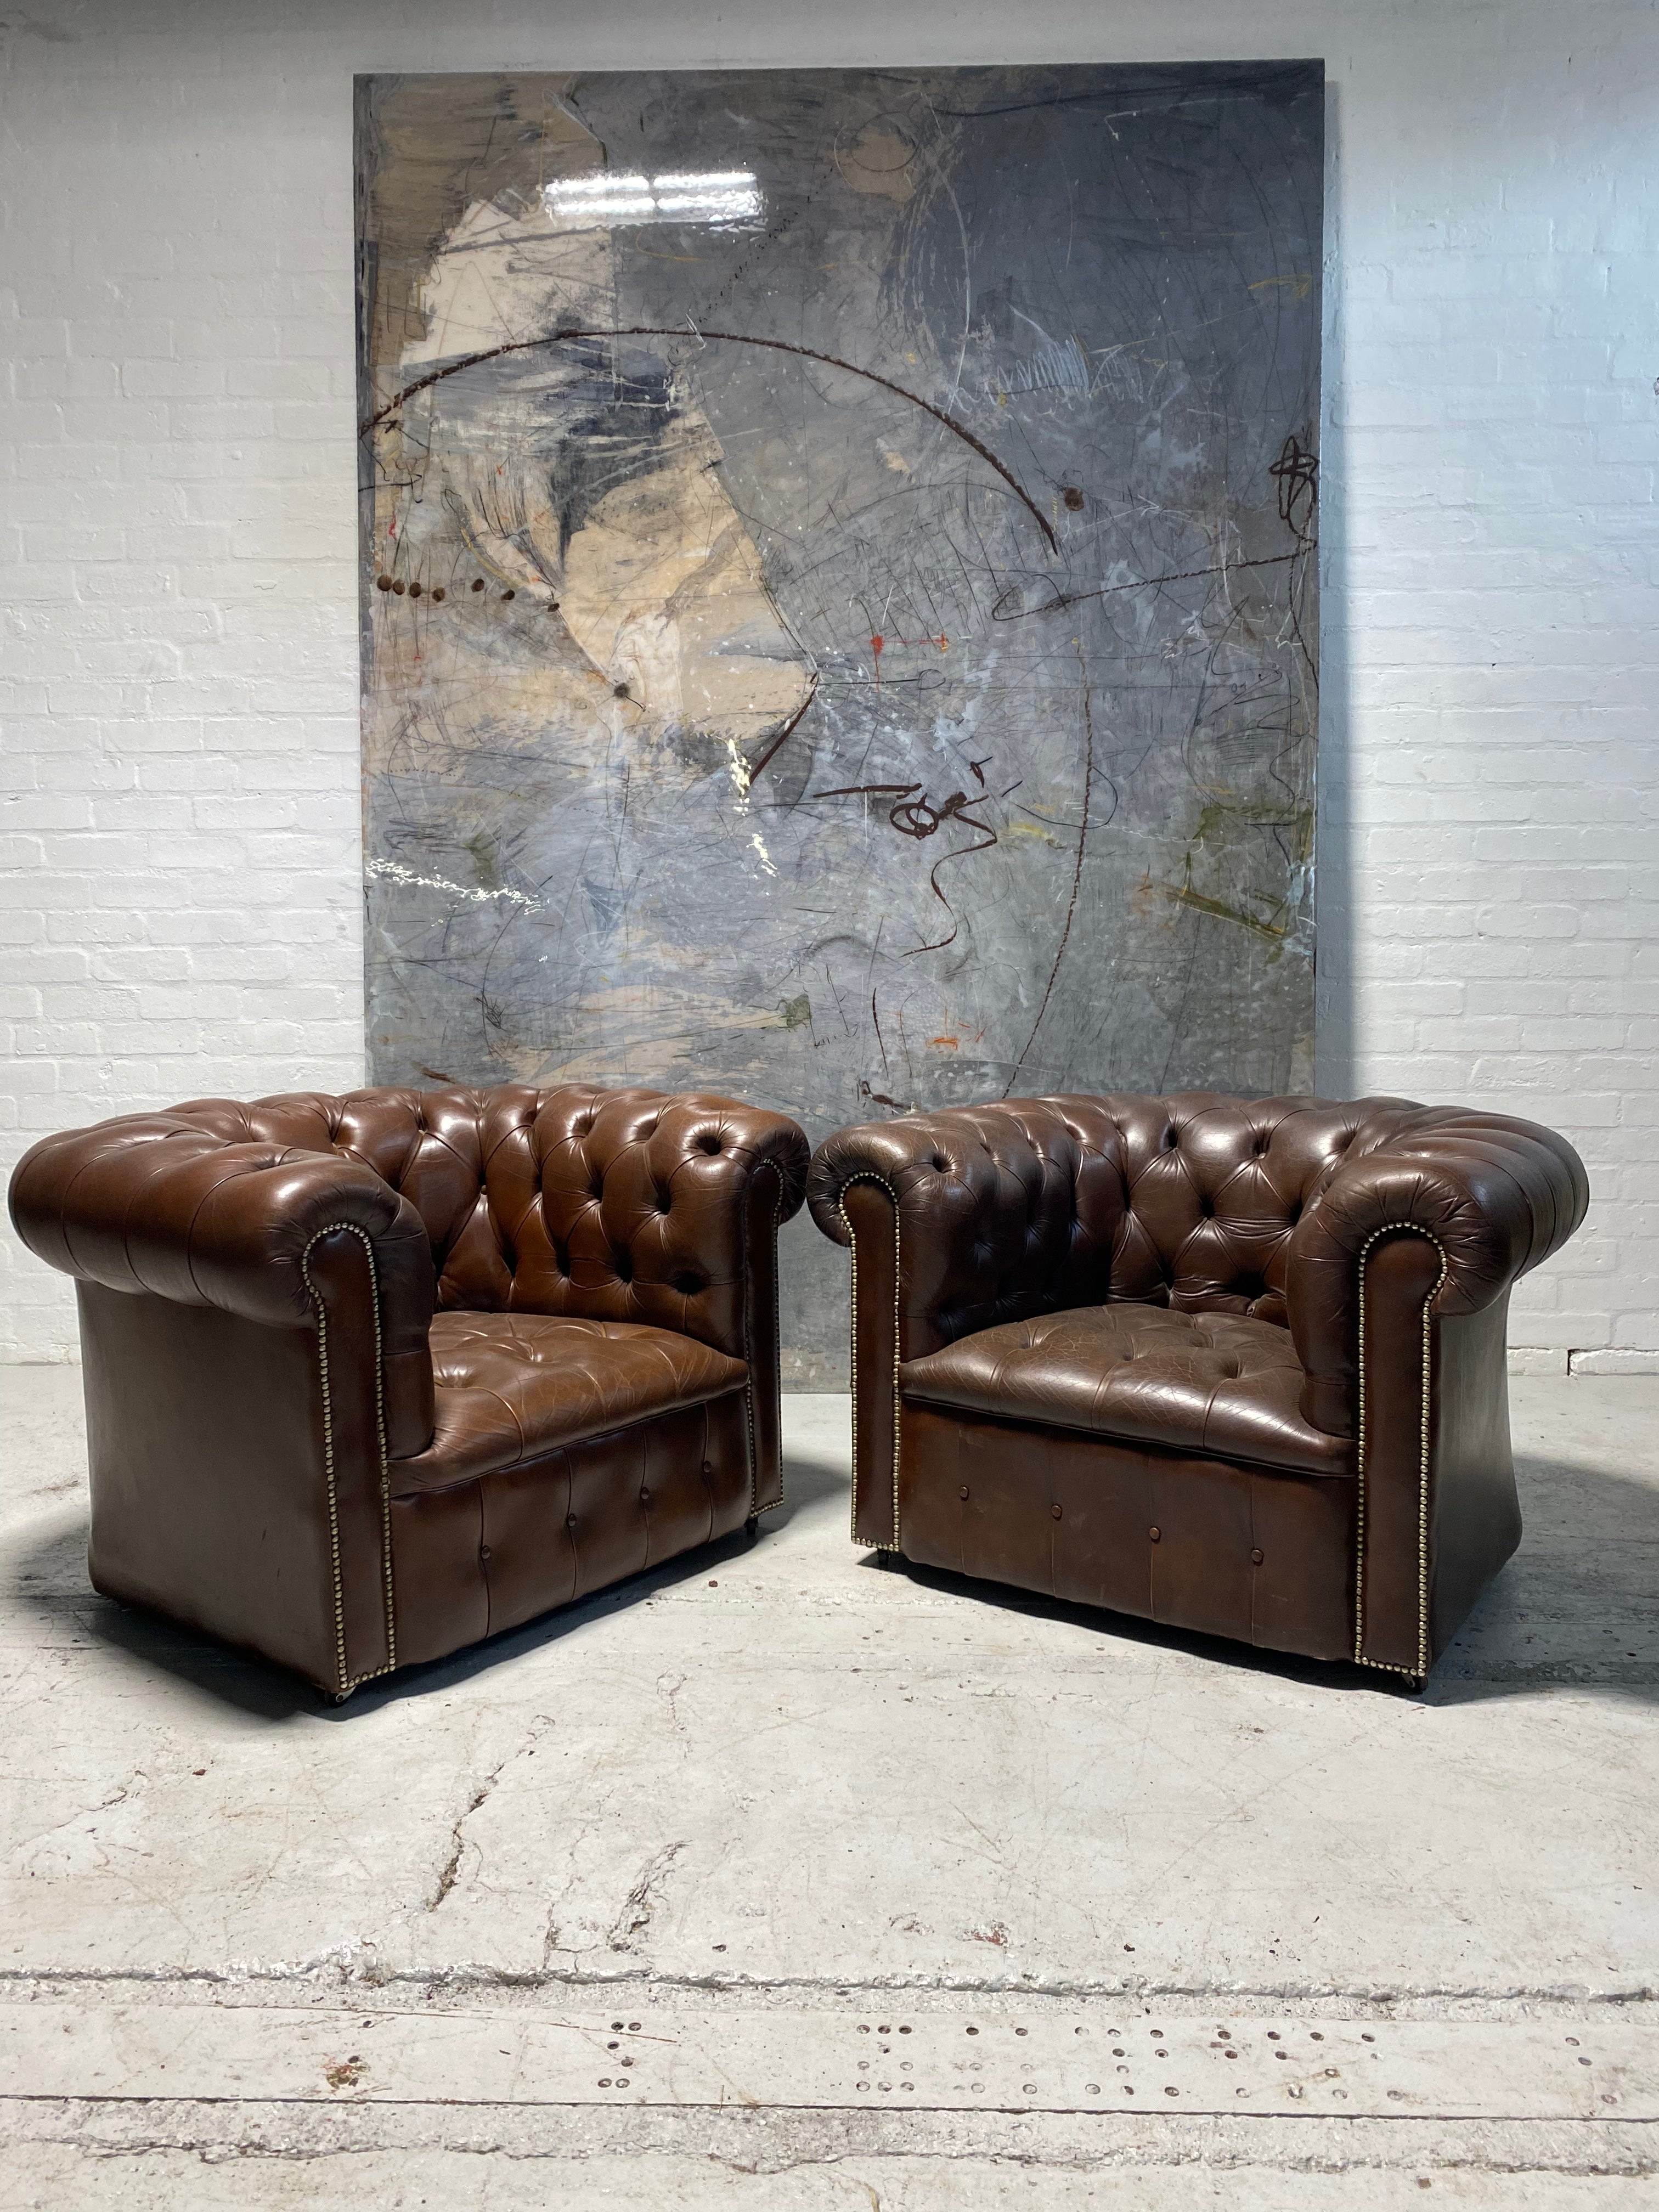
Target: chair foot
[
  {"x": 751, "y": 1527},
  {"x": 886, "y": 1557}
]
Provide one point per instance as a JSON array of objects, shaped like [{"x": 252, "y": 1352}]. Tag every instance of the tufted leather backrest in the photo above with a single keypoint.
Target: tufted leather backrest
[
  {"x": 1211, "y": 1187},
  {"x": 1036, "y": 1204},
  {"x": 602, "y": 1204}
]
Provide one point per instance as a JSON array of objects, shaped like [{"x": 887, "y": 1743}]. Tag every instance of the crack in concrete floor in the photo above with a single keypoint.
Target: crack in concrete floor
[{"x": 1263, "y": 1835}]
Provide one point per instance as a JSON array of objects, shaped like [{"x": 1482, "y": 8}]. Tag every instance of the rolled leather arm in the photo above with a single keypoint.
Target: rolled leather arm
[
  {"x": 994, "y": 1206},
  {"x": 1497, "y": 1196},
  {"x": 742, "y": 1171},
  {"x": 956, "y": 1220},
  {"x": 750, "y": 1134},
  {"x": 155, "y": 1203}
]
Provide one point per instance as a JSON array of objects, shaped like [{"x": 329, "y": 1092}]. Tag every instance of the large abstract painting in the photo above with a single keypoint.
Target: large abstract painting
[{"x": 840, "y": 613}]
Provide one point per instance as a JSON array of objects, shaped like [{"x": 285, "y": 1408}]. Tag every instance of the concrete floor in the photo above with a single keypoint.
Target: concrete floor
[{"x": 776, "y": 1881}]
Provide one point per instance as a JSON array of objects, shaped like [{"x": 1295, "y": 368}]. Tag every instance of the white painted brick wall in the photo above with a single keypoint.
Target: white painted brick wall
[{"x": 180, "y": 903}]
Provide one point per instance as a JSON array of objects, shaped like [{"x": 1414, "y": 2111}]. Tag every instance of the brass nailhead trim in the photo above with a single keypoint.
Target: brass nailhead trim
[
  {"x": 1386, "y": 1666},
  {"x": 777, "y": 1355},
  {"x": 869, "y": 1175},
  {"x": 348, "y": 1684}
]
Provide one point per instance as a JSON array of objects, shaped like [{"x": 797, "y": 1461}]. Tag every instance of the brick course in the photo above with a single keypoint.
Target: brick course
[{"x": 180, "y": 907}]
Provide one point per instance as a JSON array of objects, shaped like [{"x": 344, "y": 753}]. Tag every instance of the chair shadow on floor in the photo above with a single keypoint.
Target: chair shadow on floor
[
  {"x": 50, "y": 1580},
  {"x": 1577, "y": 1606},
  {"x": 1577, "y": 1609}
]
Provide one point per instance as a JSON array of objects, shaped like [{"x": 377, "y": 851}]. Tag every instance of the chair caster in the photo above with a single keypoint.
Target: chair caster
[{"x": 751, "y": 1528}]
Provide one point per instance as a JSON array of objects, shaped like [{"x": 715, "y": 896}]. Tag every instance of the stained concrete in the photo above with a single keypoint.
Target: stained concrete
[{"x": 780, "y": 1808}]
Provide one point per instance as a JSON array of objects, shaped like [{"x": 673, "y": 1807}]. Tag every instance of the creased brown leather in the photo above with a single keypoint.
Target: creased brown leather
[
  {"x": 157, "y": 1202},
  {"x": 1037, "y": 1204},
  {"x": 604, "y": 1267},
  {"x": 153, "y": 1203},
  {"x": 485, "y": 1555},
  {"x": 1497, "y": 1196},
  {"x": 1200, "y": 1202},
  {"x": 1078, "y": 1276},
  {"x": 978, "y": 1497},
  {"x": 511, "y": 1387},
  {"x": 1209, "y": 1382},
  {"x": 205, "y": 1453}
]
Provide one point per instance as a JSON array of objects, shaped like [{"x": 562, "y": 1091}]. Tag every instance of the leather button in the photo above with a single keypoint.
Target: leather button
[
  {"x": 484, "y": 1553},
  {"x": 569, "y": 1520},
  {"x": 1157, "y": 1535},
  {"x": 708, "y": 1467},
  {"x": 963, "y": 1493},
  {"x": 1256, "y": 1559},
  {"x": 1054, "y": 1511},
  {"x": 645, "y": 1498}
]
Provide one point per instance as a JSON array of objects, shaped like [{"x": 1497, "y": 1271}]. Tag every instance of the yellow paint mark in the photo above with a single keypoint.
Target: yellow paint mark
[
  {"x": 649, "y": 253},
  {"x": 1298, "y": 286},
  {"x": 878, "y": 161},
  {"x": 1217, "y": 820},
  {"x": 1274, "y": 933},
  {"x": 741, "y": 775}
]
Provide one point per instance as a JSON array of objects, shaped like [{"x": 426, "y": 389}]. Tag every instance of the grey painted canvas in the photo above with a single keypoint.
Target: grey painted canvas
[{"x": 839, "y": 585}]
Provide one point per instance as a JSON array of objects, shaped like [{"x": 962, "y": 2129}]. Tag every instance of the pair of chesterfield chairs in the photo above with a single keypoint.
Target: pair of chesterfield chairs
[{"x": 371, "y": 1378}]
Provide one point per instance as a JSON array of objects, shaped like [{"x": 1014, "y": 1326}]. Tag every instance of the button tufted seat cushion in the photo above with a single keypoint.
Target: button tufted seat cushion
[
  {"x": 1220, "y": 1383},
  {"x": 513, "y": 1387}
]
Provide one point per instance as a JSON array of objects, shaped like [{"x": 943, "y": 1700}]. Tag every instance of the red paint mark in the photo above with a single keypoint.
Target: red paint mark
[
  {"x": 942, "y": 642},
  {"x": 876, "y": 644},
  {"x": 951, "y": 1044}
]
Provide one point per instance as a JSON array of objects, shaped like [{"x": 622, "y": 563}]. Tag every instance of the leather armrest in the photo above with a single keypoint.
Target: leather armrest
[
  {"x": 997, "y": 1212},
  {"x": 691, "y": 1189},
  {"x": 1495, "y": 1196},
  {"x": 956, "y": 1220},
  {"x": 155, "y": 1204},
  {"x": 740, "y": 1172}
]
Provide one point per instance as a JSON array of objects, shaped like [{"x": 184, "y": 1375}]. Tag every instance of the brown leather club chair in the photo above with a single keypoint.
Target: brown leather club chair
[
  {"x": 369, "y": 1379},
  {"x": 1234, "y": 1366}
]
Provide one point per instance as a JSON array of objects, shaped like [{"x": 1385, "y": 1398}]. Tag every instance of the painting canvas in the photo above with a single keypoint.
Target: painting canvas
[{"x": 839, "y": 585}]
